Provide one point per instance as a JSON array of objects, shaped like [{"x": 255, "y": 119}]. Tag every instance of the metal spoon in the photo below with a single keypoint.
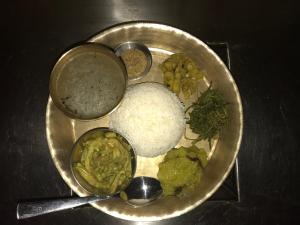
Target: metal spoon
[{"x": 141, "y": 191}]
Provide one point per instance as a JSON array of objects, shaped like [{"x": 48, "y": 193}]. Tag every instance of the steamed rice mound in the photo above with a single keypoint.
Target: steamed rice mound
[{"x": 151, "y": 118}]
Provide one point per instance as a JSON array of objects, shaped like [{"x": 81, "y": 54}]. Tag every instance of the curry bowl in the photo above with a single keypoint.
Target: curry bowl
[{"x": 116, "y": 157}]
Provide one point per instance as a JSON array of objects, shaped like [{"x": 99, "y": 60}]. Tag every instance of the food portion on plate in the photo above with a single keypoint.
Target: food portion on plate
[
  {"x": 103, "y": 159},
  {"x": 151, "y": 118},
  {"x": 208, "y": 114},
  {"x": 181, "y": 74},
  {"x": 181, "y": 170}
]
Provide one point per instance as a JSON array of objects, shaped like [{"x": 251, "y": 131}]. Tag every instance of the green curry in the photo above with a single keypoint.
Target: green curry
[
  {"x": 103, "y": 160},
  {"x": 181, "y": 170}
]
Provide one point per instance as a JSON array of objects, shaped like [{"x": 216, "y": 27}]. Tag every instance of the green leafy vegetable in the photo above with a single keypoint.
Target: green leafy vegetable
[{"x": 209, "y": 114}]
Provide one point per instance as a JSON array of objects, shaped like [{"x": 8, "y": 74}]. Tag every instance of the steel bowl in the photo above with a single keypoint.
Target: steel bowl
[
  {"x": 139, "y": 46},
  {"x": 88, "y": 82},
  {"x": 80, "y": 180}
]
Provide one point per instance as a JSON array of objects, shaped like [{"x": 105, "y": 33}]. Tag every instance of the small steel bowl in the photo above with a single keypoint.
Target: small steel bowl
[
  {"x": 80, "y": 180},
  {"x": 136, "y": 45},
  {"x": 88, "y": 82}
]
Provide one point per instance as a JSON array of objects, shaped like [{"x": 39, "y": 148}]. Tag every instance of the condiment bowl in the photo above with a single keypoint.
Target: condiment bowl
[{"x": 130, "y": 45}]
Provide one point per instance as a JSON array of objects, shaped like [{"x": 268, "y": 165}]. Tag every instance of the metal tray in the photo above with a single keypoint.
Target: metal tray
[{"x": 162, "y": 40}]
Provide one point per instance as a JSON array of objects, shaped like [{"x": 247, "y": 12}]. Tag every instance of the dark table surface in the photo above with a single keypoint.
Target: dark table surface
[{"x": 263, "y": 38}]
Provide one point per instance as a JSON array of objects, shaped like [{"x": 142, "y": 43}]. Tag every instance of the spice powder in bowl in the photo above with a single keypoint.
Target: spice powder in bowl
[
  {"x": 135, "y": 62},
  {"x": 136, "y": 57}
]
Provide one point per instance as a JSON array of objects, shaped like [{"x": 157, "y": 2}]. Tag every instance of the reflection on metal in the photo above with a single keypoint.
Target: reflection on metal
[{"x": 230, "y": 189}]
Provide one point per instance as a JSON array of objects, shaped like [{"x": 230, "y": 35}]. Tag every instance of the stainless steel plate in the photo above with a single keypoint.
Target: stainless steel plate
[{"x": 162, "y": 41}]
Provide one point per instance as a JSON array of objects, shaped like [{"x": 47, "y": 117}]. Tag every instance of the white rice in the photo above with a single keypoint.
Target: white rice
[{"x": 151, "y": 118}]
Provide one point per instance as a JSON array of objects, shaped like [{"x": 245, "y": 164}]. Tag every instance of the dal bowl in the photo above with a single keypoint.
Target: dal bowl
[{"x": 88, "y": 81}]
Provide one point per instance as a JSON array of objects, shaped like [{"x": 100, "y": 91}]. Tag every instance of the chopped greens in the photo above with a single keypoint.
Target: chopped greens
[{"x": 209, "y": 114}]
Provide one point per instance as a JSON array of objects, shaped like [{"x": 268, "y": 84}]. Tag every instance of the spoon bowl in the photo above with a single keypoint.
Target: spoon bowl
[{"x": 142, "y": 191}]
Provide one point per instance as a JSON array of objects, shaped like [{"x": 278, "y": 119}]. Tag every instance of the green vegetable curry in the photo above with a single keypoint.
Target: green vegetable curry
[
  {"x": 103, "y": 160},
  {"x": 181, "y": 170}
]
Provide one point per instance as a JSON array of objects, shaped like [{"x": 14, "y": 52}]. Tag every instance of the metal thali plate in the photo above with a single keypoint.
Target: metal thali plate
[{"x": 162, "y": 40}]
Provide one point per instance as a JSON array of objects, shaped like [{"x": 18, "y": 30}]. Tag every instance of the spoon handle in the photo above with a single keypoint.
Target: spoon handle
[{"x": 31, "y": 209}]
